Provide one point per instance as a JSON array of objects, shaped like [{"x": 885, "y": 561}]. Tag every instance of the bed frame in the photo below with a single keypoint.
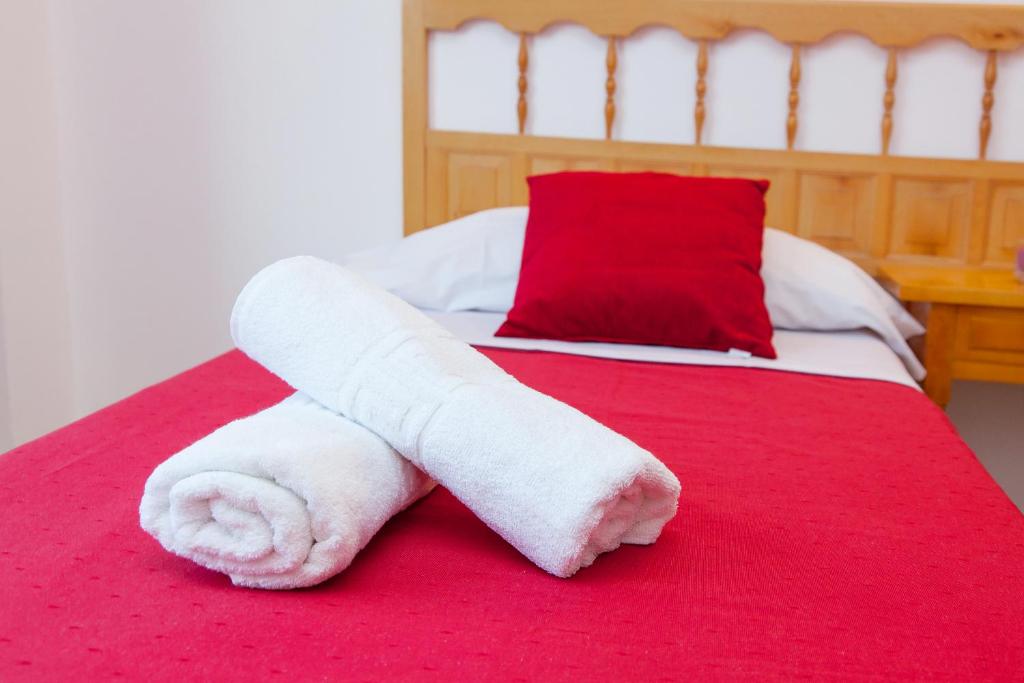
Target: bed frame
[{"x": 872, "y": 208}]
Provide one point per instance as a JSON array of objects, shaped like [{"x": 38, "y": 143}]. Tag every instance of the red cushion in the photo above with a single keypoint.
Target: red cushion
[{"x": 644, "y": 258}]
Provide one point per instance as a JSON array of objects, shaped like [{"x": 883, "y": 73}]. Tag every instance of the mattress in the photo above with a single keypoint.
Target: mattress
[{"x": 828, "y": 528}]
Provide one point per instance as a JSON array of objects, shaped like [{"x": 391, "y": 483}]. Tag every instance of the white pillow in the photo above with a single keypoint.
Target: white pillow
[
  {"x": 469, "y": 264},
  {"x": 793, "y": 261},
  {"x": 808, "y": 287},
  {"x": 472, "y": 263}
]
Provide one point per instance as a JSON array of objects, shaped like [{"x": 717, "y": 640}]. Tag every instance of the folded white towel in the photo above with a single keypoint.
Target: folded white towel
[
  {"x": 553, "y": 482},
  {"x": 284, "y": 498}
]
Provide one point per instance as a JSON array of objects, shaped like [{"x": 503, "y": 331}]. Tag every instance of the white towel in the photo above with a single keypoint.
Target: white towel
[
  {"x": 553, "y": 482},
  {"x": 284, "y": 498}
]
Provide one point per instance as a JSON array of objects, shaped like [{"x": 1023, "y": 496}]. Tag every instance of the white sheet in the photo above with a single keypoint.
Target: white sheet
[{"x": 858, "y": 353}]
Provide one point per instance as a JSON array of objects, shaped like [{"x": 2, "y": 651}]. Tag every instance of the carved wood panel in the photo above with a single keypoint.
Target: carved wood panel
[
  {"x": 477, "y": 182},
  {"x": 1006, "y": 223},
  {"x": 655, "y": 166},
  {"x": 930, "y": 218},
  {"x": 987, "y": 334},
  {"x": 836, "y": 211},
  {"x": 778, "y": 209},
  {"x": 545, "y": 164}
]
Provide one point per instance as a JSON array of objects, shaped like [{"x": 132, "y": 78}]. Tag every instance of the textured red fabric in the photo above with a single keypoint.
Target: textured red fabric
[
  {"x": 828, "y": 528},
  {"x": 644, "y": 258}
]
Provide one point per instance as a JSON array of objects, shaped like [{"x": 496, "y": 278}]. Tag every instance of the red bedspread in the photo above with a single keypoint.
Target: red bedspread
[{"x": 827, "y": 528}]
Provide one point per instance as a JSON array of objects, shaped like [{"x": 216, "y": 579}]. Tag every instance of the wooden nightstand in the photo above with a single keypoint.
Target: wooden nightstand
[{"x": 974, "y": 320}]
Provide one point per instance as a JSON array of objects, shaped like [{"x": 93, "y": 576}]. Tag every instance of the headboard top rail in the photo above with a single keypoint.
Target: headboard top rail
[{"x": 888, "y": 24}]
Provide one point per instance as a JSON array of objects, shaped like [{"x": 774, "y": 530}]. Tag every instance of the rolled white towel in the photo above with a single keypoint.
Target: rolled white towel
[
  {"x": 284, "y": 498},
  {"x": 554, "y": 483}
]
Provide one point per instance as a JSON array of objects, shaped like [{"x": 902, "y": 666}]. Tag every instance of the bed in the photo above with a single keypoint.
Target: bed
[
  {"x": 840, "y": 529},
  {"x": 832, "y": 523}
]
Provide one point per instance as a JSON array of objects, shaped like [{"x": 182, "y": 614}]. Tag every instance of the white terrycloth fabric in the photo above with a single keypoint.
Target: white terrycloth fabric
[
  {"x": 284, "y": 498},
  {"x": 554, "y": 483}
]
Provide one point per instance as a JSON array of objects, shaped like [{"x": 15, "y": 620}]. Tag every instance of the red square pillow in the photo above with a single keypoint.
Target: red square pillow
[{"x": 644, "y": 258}]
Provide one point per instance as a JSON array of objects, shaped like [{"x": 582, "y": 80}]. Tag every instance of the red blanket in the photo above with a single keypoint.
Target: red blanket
[{"x": 827, "y": 527}]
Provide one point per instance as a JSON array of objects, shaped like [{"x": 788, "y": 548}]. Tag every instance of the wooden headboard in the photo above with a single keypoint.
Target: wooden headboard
[{"x": 871, "y": 208}]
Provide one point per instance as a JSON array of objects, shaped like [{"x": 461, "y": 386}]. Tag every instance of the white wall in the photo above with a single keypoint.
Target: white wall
[
  {"x": 6, "y": 435},
  {"x": 201, "y": 139},
  {"x": 35, "y": 342}
]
